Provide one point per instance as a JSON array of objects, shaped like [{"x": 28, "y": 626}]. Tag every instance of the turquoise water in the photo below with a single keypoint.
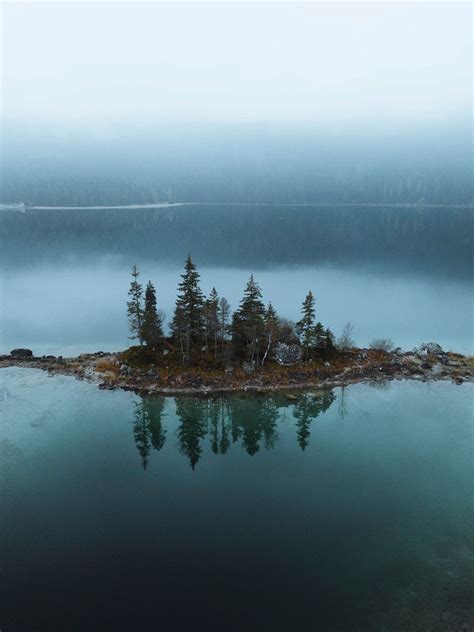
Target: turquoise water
[{"x": 352, "y": 510}]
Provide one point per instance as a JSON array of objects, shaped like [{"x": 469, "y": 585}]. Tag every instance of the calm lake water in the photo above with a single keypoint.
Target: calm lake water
[
  {"x": 69, "y": 309},
  {"x": 350, "y": 511}
]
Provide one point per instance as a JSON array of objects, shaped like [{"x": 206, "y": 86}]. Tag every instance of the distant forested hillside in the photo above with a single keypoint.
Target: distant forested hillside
[
  {"x": 240, "y": 164},
  {"x": 432, "y": 239}
]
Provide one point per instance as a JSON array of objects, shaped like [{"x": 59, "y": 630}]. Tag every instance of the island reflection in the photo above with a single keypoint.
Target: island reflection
[{"x": 224, "y": 421}]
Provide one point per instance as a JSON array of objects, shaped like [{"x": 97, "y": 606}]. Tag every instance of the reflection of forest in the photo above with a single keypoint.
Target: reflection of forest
[
  {"x": 252, "y": 421},
  {"x": 148, "y": 428}
]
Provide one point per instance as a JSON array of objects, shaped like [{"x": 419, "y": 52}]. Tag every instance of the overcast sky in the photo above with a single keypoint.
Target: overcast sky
[{"x": 304, "y": 62}]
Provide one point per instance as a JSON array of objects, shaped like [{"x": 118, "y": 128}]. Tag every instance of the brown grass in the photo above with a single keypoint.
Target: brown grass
[
  {"x": 104, "y": 366},
  {"x": 109, "y": 377}
]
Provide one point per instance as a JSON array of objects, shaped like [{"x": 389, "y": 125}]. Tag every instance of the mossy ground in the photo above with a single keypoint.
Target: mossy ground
[{"x": 206, "y": 370}]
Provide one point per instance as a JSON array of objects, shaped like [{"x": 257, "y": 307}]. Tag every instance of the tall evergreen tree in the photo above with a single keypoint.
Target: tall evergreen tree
[
  {"x": 271, "y": 329},
  {"x": 178, "y": 329},
  {"x": 329, "y": 339},
  {"x": 306, "y": 327},
  {"x": 248, "y": 323},
  {"x": 188, "y": 322},
  {"x": 152, "y": 331},
  {"x": 134, "y": 307},
  {"x": 319, "y": 336},
  {"x": 211, "y": 317}
]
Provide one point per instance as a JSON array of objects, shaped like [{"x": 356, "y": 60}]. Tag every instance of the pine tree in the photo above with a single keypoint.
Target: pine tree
[
  {"x": 306, "y": 328},
  {"x": 178, "y": 328},
  {"x": 152, "y": 331},
  {"x": 329, "y": 339},
  {"x": 271, "y": 327},
  {"x": 319, "y": 336},
  {"x": 188, "y": 322},
  {"x": 134, "y": 307},
  {"x": 248, "y": 323},
  {"x": 211, "y": 317}
]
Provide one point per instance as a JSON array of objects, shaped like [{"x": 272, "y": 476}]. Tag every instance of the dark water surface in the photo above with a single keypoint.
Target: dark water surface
[{"x": 352, "y": 510}]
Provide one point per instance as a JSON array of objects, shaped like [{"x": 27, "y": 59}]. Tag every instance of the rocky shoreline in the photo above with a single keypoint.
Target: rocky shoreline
[{"x": 109, "y": 371}]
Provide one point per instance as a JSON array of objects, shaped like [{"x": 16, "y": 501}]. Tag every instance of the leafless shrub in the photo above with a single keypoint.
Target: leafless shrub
[
  {"x": 382, "y": 344},
  {"x": 345, "y": 340}
]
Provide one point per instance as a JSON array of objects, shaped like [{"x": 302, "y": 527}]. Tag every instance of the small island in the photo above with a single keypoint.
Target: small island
[{"x": 211, "y": 350}]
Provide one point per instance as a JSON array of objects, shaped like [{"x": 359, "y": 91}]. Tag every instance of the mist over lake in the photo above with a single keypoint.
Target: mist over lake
[{"x": 68, "y": 309}]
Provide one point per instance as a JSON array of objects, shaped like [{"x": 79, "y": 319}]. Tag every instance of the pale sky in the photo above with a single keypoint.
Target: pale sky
[{"x": 295, "y": 62}]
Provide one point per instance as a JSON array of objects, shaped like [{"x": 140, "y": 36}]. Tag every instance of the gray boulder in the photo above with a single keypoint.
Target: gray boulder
[
  {"x": 287, "y": 355},
  {"x": 248, "y": 367},
  {"x": 21, "y": 353},
  {"x": 432, "y": 348}
]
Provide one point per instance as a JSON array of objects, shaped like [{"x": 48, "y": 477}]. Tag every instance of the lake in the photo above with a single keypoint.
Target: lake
[
  {"x": 352, "y": 510},
  {"x": 69, "y": 308}
]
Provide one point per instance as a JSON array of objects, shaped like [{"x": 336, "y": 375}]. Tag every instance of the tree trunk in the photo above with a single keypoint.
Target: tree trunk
[{"x": 267, "y": 349}]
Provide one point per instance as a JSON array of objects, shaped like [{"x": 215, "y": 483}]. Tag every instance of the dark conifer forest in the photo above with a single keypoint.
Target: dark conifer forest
[{"x": 278, "y": 164}]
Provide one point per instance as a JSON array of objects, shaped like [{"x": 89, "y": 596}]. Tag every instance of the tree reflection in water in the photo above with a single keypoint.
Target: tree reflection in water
[
  {"x": 252, "y": 421},
  {"x": 306, "y": 410},
  {"x": 193, "y": 414},
  {"x": 148, "y": 428}
]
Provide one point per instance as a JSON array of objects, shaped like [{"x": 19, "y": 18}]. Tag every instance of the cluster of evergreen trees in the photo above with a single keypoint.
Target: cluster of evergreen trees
[
  {"x": 145, "y": 322},
  {"x": 203, "y": 327}
]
